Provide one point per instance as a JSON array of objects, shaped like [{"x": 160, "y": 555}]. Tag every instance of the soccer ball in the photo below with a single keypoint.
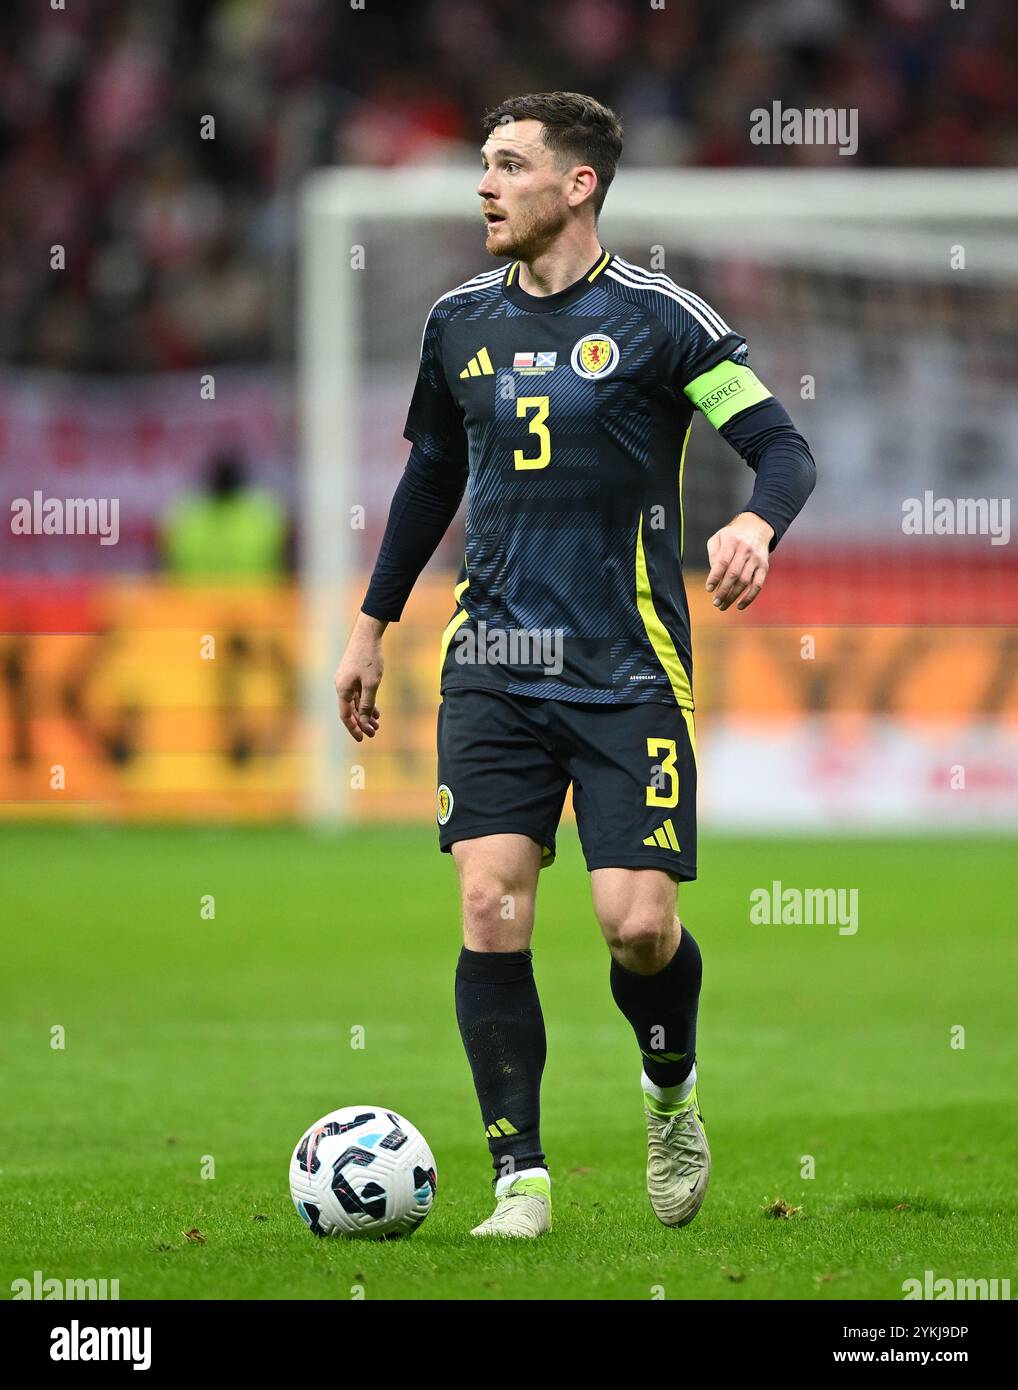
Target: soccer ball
[{"x": 363, "y": 1171}]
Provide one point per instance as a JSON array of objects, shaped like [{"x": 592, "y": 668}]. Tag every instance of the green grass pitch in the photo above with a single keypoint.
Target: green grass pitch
[{"x": 187, "y": 1037}]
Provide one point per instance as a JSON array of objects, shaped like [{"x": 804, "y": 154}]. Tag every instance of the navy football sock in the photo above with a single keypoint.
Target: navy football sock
[
  {"x": 662, "y": 1011},
  {"x": 502, "y": 1028}
]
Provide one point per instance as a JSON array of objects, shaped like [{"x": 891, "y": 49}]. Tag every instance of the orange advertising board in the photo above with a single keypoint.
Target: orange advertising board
[{"x": 146, "y": 700}]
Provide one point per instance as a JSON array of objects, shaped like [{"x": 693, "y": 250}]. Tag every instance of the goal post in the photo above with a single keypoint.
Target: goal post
[{"x": 892, "y": 293}]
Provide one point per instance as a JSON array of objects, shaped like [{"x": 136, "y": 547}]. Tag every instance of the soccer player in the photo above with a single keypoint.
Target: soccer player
[{"x": 559, "y": 390}]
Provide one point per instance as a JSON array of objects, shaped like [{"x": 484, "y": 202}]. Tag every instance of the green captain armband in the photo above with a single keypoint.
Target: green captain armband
[{"x": 724, "y": 391}]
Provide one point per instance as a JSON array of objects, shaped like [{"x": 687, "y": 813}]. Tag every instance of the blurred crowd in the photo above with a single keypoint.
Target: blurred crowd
[{"x": 178, "y": 236}]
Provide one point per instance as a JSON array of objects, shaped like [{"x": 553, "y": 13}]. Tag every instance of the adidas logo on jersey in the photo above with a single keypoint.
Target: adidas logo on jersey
[
  {"x": 664, "y": 837},
  {"x": 480, "y": 365}
]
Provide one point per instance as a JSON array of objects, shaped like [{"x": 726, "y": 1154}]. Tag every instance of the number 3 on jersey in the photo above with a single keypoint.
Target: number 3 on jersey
[{"x": 538, "y": 426}]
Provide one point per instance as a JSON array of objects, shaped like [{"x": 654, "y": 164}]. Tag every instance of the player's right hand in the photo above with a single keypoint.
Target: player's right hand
[{"x": 358, "y": 678}]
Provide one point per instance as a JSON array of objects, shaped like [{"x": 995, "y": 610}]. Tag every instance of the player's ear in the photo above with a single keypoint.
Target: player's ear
[{"x": 582, "y": 185}]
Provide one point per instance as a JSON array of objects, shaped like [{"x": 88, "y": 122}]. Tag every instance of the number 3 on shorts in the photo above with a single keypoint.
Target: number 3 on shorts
[{"x": 657, "y": 796}]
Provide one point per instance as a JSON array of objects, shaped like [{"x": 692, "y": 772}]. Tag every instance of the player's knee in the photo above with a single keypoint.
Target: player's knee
[
  {"x": 494, "y": 916},
  {"x": 639, "y": 937}
]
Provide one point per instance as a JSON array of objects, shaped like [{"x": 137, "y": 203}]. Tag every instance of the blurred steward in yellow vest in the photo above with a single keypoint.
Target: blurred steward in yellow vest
[{"x": 232, "y": 532}]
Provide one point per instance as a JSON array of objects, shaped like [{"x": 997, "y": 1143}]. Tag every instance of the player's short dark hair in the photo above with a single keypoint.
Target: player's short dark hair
[{"x": 576, "y": 127}]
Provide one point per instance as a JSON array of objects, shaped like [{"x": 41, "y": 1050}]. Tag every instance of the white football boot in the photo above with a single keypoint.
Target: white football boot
[
  {"x": 522, "y": 1206},
  {"x": 678, "y": 1160}
]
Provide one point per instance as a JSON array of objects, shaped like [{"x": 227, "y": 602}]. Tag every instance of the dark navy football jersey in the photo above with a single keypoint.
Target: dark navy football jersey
[{"x": 571, "y": 413}]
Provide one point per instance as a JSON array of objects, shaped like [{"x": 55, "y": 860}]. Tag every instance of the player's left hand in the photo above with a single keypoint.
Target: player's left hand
[{"x": 739, "y": 560}]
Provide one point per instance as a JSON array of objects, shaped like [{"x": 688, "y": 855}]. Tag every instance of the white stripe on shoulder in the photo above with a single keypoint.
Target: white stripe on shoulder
[
  {"x": 666, "y": 282},
  {"x": 479, "y": 282},
  {"x": 484, "y": 281},
  {"x": 659, "y": 278},
  {"x": 669, "y": 294}
]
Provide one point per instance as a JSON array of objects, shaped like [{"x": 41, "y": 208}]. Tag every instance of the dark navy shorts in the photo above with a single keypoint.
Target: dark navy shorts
[{"x": 505, "y": 763}]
